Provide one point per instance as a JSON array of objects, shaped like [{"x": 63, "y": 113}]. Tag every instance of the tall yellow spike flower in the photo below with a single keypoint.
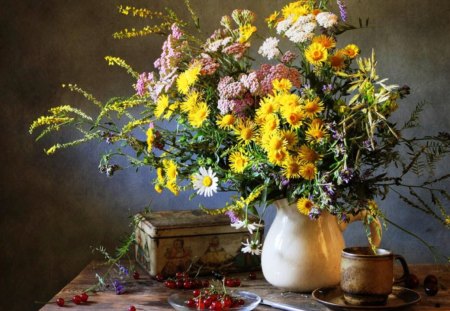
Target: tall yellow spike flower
[
  {"x": 316, "y": 54},
  {"x": 150, "y": 138}
]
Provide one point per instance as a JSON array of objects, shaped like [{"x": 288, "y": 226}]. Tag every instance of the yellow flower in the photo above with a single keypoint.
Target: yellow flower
[
  {"x": 294, "y": 116},
  {"x": 272, "y": 19},
  {"x": 198, "y": 115},
  {"x": 290, "y": 137},
  {"x": 315, "y": 132},
  {"x": 282, "y": 85},
  {"x": 188, "y": 78},
  {"x": 275, "y": 143},
  {"x": 308, "y": 171},
  {"x": 171, "y": 110},
  {"x": 226, "y": 121},
  {"x": 267, "y": 106},
  {"x": 304, "y": 206},
  {"x": 161, "y": 105},
  {"x": 238, "y": 162},
  {"x": 307, "y": 154},
  {"x": 351, "y": 50},
  {"x": 337, "y": 61},
  {"x": 171, "y": 170},
  {"x": 160, "y": 175},
  {"x": 316, "y": 53},
  {"x": 245, "y": 32},
  {"x": 326, "y": 41},
  {"x": 191, "y": 101},
  {"x": 288, "y": 101},
  {"x": 295, "y": 10},
  {"x": 313, "y": 107},
  {"x": 291, "y": 167},
  {"x": 150, "y": 139},
  {"x": 270, "y": 123},
  {"x": 158, "y": 188},
  {"x": 245, "y": 130},
  {"x": 173, "y": 187},
  {"x": 277, "y": 157}
]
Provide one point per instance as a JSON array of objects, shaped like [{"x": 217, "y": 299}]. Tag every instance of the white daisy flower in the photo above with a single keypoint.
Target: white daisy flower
[
  {"x": 269, "y": 48},
  {"x": 244, "y": 224},
  {"x": 253, "y": 247},
  {"x": 205, "y": 182},
  {"x": 326, "y": 19}
]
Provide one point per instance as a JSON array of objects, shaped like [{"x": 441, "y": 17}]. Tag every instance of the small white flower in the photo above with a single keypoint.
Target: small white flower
[
  {"x": 269, "y": 48},
  {"x": 238, "y": 224},
  {"x": 244, "y": 224},
  {"x": 284, "y": 25},
  {"x": 252, "y": 247},
  {"x": 205, "y": 182},
  {"x": 326, "y": 19}
]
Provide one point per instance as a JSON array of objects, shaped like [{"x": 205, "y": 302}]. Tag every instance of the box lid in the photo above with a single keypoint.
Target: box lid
[{"x": 185, "y": 223}]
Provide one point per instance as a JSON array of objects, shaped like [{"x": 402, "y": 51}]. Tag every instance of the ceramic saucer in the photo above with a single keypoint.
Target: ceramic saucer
[{"x": 333, "y": 298}]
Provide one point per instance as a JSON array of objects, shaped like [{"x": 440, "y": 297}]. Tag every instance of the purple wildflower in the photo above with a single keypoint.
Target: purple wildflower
[
  {"x": 314, "y": 213},
  {"x": 123, "y": 269},
  {"x": 118, "y": 287},
  {"x": 288, "y": 57},
  {"x": 233, "y": 217},
  {"x": 368, "y": 145},
  {"x": 327, "y": 88},
  {"x": 342, "y": 9},
  {"x": 346, "y": 175}
]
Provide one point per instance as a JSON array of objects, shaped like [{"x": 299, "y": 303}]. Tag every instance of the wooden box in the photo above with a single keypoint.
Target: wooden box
[{"x": 178, "y": 241}]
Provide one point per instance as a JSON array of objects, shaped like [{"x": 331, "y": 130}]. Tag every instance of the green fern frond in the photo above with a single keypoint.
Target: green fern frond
[{"x": 413, "y": 120}]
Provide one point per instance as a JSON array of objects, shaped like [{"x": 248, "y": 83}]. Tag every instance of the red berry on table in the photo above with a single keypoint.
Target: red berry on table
[
  {"x": 412, "y": 281},
  {"x": 132, "y": 308},
  {"x": 170, "y": 284},
  {"x": 159, "y": 277},
  {"x": 188, "y": 284},
  {"x": 236, "y": 282},
  {"x": 179, "y": 284},
  {"x": 136, "y": 275},
  {"x": 205, "y": 283},
  {"x": 196, "y": 292},
  {"x": 229, "y": 282},
  {"x": 84, "y": 297},
  {"x": 252, "y": 276},
  {"x": 60, "y": 302},
  {"x": 190, "y": 303},
  {"x": 76, "y": 299}
]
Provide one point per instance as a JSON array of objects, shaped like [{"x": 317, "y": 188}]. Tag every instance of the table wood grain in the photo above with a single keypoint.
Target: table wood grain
[{"x": 148, "y": 294}]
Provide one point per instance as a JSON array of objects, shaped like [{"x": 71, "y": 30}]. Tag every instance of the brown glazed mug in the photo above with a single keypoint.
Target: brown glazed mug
[{"x": 367, "y": 277}]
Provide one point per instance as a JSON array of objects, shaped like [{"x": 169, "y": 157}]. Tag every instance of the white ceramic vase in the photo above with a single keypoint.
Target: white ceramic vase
[{"x": 300, "y": 254}]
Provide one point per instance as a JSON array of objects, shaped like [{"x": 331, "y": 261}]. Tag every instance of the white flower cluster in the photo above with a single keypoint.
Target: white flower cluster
[
  {"x": 298, "y": 31},
  {"x": 269, "y": 48},
  {"x": 326, "y": 19}
]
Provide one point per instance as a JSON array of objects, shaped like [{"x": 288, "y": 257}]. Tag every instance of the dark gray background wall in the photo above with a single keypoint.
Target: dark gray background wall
[{"x": 54, "y": 208}]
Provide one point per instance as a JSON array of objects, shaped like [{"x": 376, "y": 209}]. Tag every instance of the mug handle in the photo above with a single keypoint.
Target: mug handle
[{"x": 402, "y": 261}]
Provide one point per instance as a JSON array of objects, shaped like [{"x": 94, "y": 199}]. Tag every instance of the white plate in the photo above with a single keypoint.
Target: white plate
[{"x": 177, "y": 301}]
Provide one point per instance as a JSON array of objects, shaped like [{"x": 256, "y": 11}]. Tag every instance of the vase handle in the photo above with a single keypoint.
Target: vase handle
[{"x": 375, "y": 227}]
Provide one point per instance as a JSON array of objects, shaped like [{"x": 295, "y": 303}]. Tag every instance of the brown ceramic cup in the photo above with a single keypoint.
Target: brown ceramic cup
[{"x": 367, "y": 277}]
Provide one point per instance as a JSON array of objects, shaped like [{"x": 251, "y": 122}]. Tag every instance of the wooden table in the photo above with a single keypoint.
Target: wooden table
[{"x": 148, "y": 294}]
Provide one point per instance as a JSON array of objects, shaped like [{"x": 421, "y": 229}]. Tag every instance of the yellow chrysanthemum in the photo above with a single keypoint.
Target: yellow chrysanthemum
[
  {"x": 326, "y": 41},
  {"x": 188, "y": 78},
  {"x": 282, "y": 85},
  {"x": 295, "y": 10},
  {"x": 351, "y": 50},
  {"x": 313, "y": 107},
  {"x": 161, "y": 105},
  {"x": 150, "y": 139},
  {"x": 291, "y": 167},
  {"x": 198, "y": 115},
  {"x": 294, "y": 116},
  {"x": 308, "y": 171},
  {"x": 270, "y": 123},
  {"x": 337, "y": 61},
  {"x": 245, "y": 130},
  {"x": 275, "y": 143},
  {"x": 173, "y": 187},
  {"x": 226, "y": 121},
  {"x": 315, "y": 132},
  {"x": 238, "y": 162},
  {"x": 172, "y": 108},
  {"x": 316, "y": 53},
  {"x": 277, "y": 157},
  {"x": 290, "y": 137},
  {"x": 171, "y": 170},
  {"x": 191, "y": 101},
  {"x": 307, "y": 154},
  {"x": 245, "y": 32},
  {"x": 267, "y": 106},
  {"x": 158, "y": 188},
  {"x": 288, "y": 101},
  {"x": 304, "y": 205}
]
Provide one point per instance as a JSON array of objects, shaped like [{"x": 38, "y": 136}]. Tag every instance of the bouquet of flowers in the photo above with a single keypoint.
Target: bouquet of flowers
[{"x": 309, "y": 122}]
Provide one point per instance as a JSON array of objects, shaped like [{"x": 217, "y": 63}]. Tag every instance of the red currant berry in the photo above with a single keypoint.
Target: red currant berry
[
  {"x": 136, "y": 275},
  {"x": 252, "y": 276},
  {"x": 236, "y": 283},
  {"x": 229, "y": 282},
  {"x": 132, "y": 308},
  {"x": 412, "y": 281},
  {"x": 188, "y": 284},
  {"x": 196, "y": 292},
  {"x": 159, "y": 277},
  {"x": 84, "y": 297},
  {"x": 76, "y": 299},
  {"x": 170, "y": 284},
  {"x": 190, "y": 303},
  {"x": 241, "y": 302},
  {"x": 205, "y": 283},
  {"x": 179, "y": 284},
  {"x": 180, "y": 275},
  {"x": 216, "y": 306},
  {"x": 60, "y": 302}
]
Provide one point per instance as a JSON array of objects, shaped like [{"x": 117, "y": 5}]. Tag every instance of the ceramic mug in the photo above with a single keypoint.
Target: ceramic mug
[{"x": 367, "y": 277}]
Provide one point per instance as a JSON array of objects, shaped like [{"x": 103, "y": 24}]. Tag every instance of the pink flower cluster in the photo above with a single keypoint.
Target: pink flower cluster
[
  {"x": 267, "y": 73},
  {"x": 172, "y": 53}
]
